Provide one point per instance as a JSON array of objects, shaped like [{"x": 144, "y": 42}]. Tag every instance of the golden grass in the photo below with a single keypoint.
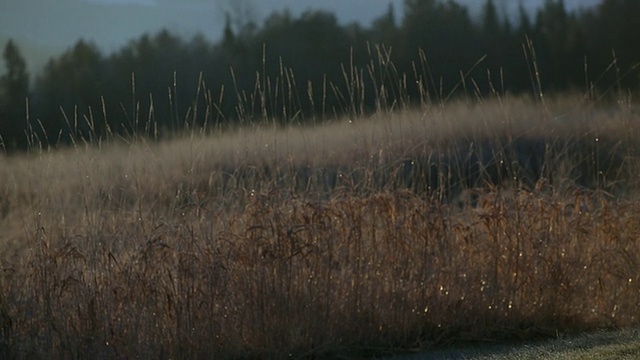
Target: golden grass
[{"x": 358, "y": 236}]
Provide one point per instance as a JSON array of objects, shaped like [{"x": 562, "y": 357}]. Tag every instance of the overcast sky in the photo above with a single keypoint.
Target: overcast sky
[{"x": 46, "y": 27}]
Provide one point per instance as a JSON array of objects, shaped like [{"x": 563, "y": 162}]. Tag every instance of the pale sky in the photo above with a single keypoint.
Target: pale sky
[{"x": 46, "y": 27}]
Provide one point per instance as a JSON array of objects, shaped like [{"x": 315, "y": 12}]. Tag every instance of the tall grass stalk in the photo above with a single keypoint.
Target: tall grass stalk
[{"x": 415, "y": 225}]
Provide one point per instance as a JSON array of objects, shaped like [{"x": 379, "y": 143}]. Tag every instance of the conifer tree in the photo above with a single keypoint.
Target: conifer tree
[
  {"x": 14, "y": 89},
  {"x": 490, "y": 23}
]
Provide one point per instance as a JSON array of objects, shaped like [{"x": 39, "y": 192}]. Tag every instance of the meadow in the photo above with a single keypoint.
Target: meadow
[{"x": 475, "y": 220}]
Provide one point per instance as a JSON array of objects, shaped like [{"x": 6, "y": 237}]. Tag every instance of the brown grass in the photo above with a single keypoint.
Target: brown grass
[{"x": 401, "y": 230}]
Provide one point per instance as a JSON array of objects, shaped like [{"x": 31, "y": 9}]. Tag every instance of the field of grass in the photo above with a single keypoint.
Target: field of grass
[
  {"x": 600, "y": 345},
  {"x": 484, "y": 220}
]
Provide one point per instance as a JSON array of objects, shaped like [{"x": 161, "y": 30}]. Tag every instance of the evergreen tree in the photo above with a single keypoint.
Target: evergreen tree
[
  {"x": 71, "y": 84},
  {"x": 228, "y": 37},
  {"x": 448, "y": 38},
  {"x": 14, "y": 88},
  {"x": 307, "y": 65},
  {"x": 524, "y": 23},
  {"x": 614, "y": 28},
  {"x": 553, "y": 34},
  {"x": 490, "y": 23},
  {"x": 384, "y": 29}
]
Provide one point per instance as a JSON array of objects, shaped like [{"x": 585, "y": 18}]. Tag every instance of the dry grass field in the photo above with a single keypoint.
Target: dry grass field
[
  {"x": 473, "y": 221},
  {"x": 599, "y": 345}
]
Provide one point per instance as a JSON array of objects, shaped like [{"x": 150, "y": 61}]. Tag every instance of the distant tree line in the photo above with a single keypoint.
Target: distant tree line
[{"x": 301, "y": 69}]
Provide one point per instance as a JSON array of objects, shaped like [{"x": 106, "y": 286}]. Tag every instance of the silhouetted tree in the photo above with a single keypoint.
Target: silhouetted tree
[
  {"x": 444, "y": 31},
  {"x": 524, "y": 22},
  {"x": 69, "y": 95},
  {"x": 156, "y": 82},
  {"x": 558, "y": 45},
  {"x": 14, "y": 88},
  {"x": 613, "y": 27},
  {"x": 291, "y": 68},
  {"x": 494, "y": 40},
  {"x": 384, "y": 30},
  {"x": 490, "y": 20},
  {"x": 300, "y": 56}
]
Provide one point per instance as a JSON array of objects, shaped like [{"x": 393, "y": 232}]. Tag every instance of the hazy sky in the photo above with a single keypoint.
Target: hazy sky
[{"x": 46, "y": 27}]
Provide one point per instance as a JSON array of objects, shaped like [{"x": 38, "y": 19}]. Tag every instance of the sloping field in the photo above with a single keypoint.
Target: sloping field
[{"x": 503, "y": 219}]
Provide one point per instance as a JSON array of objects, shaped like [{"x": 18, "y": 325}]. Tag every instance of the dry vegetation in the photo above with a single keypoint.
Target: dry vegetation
[{"x": 473, "y": 221}]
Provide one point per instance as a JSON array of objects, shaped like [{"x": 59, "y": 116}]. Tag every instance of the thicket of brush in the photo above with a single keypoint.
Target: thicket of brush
[{"x": 474, "y": 220}]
